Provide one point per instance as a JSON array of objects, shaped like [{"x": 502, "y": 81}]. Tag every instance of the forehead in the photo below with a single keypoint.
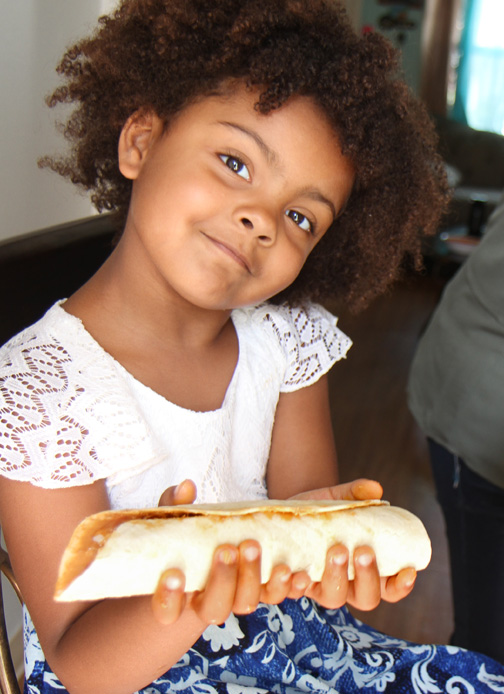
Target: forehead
[{"x": 300, "y": 114}]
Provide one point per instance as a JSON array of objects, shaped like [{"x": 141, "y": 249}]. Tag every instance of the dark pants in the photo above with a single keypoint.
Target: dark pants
[{"x": 474, "y": 513}]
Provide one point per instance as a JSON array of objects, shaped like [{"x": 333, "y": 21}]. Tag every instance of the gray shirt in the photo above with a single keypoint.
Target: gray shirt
[{"x": 456, "y": 384}]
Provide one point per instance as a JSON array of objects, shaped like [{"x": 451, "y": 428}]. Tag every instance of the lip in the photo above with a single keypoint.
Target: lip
[{"x": 230, "y": 251}]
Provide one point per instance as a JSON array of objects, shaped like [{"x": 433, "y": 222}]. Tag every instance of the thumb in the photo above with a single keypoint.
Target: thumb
[
  {"x": 183, "y": 493},
  {"x": 358, "y": 490},
  {"x": 362, "y": 489}
]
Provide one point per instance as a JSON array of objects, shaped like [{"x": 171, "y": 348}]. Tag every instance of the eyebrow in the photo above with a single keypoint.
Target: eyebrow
[
  {"x": 317, "y": 195},
  {"x": 269, "y": 153},
  {"x": 313, "y": 194}
]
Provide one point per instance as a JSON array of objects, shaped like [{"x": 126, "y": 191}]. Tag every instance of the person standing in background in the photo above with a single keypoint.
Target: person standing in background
[{"x": 456, "y": 394}]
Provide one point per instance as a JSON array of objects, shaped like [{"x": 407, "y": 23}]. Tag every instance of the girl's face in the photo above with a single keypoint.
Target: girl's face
[{"x": 228, "y": 203}]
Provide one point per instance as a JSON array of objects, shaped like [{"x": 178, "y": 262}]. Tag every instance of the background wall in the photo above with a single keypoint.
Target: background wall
[{"x": 33, "y": 36}]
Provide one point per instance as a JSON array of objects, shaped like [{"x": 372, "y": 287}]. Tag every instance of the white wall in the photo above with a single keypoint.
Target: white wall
[{"x": 33, "y": 37}]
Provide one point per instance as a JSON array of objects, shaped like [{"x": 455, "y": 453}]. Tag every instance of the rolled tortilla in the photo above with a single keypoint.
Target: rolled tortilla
[{"x": 123, "y": 553}]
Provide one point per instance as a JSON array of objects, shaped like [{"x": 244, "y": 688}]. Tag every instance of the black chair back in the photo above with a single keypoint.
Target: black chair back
[{"x": 39, "y": 268}]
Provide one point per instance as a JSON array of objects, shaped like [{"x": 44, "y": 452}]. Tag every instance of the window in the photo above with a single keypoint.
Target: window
[{"x": 479, "y": 97}]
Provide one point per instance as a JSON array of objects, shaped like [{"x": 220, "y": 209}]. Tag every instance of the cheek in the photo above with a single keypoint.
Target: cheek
[
  {"x": 180, "y": 186},
  {"x": 198, "y": 197},
  {"x": 287, "y": 266},
  {"x": 192, "y": 199}
]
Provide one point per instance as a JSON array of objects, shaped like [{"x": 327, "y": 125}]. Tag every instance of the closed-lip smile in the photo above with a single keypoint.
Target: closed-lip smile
[{"x": 230, "y": 251}]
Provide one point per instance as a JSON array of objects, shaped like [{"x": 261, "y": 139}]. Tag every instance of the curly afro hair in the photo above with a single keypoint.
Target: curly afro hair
[{"x": 163, "y": 54}]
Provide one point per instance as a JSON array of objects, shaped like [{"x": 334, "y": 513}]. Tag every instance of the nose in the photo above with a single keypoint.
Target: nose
[{"x": 260, "y": 223}]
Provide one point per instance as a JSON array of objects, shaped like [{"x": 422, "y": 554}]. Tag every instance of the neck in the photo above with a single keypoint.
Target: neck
[
  {"x": 118, "y": 304},
  {"x": 185, "y": 353}
]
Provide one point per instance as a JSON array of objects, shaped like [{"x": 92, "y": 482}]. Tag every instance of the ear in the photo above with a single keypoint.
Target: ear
[{"x": 139, "y": 133}]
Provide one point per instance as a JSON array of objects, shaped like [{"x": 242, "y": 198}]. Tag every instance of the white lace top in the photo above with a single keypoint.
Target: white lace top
[{"x": 71, "y": 414}]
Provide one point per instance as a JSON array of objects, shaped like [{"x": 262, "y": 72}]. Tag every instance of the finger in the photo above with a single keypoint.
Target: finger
[
  {"x": 169, "y": 600},
  {"x": 248, "y": 589},
  {"x": 213, "y": 605},
  {"x": 357, "y": 490},
  {"x": 299, "y": 585},
  {"x": 332, "y": 590},
  {"x": 184, "y": 493},
  {"x": 365, "y": 590},
  {"x": 277, "y": 588},
  {"x": 395, "y": 588},
  {"x": 363, "y": 489}
]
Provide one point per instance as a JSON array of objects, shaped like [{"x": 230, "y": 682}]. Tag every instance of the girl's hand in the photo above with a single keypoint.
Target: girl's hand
[
  {"x": 367, "y": 589},
  {"x": 184, "y": 493},
  {"x": 358, "y": 490},
  {"x": 234, "y": 585}
]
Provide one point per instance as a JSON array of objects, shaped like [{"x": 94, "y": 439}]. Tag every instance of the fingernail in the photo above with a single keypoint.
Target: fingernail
[
  {"x": 300, "y": 583},
  {"x": 227, "y": 556},
  {"x": 251, "y": 553},
  {"x": 364, "y": 559},
  {"x": 339, "y": 559},
  {"x": 173, "y": 583},
  {"x": 410, "y": 580}
]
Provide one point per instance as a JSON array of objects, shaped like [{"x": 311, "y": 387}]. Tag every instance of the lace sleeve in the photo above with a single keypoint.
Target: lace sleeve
[
  {"x": 66, "y": 415},
  {"x": 310, "y": 341}
]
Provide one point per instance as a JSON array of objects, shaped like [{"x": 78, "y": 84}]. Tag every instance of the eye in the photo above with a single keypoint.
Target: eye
[
  {"x": 236, "y": 165},
  {"x": 301, "y": 220}
]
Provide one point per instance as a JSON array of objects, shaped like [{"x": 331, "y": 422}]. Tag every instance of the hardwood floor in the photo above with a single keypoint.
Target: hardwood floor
[{"x": 377, "y": 437}]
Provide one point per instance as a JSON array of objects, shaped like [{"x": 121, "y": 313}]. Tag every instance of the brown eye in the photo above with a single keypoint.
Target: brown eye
[
  {"x": 301, "y": 220},
  {"x": 236, "y": 165}
]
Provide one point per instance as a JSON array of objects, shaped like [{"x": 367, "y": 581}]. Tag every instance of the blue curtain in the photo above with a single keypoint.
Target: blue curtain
[
  {"x": 459, "y": 107},
  {"x": 479, "y": 99}
]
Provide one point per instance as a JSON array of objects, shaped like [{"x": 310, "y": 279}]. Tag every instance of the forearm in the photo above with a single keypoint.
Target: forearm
[
  {"x": 303, "y": 452},
  {"x": 118, "y": 647}
]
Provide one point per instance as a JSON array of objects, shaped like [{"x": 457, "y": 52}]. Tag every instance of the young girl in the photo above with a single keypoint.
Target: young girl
[{"x": 253, "y": 152}]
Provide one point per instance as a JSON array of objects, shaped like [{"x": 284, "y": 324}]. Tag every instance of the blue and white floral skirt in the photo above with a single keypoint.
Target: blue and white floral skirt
[{"x": 299, "y": 647}]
